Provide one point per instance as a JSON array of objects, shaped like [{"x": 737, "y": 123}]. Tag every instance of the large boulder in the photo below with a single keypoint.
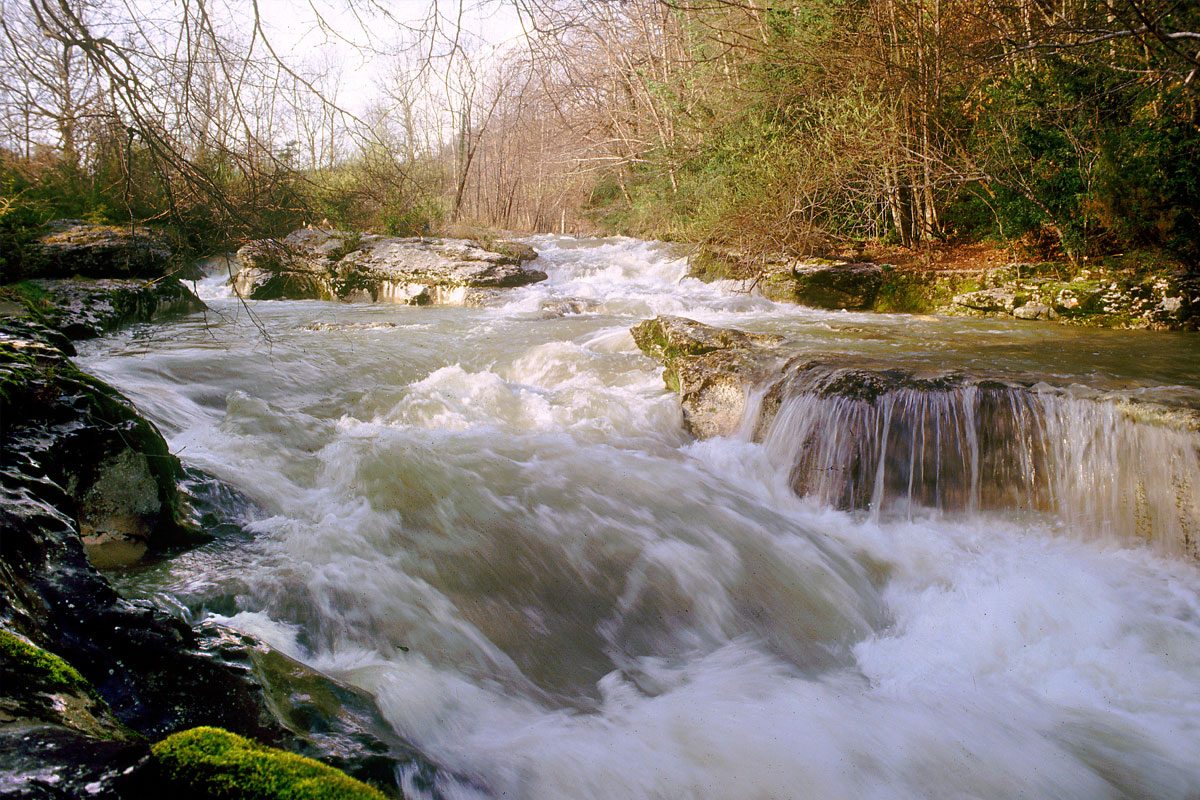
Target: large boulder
[
  {"x": 827, "y": 285},
  {"x": 324, "y": 265},
  {"x": 818, "y": 282},
  {"x": 120, "y": 480},
  {"x": 73, "y": 248}
]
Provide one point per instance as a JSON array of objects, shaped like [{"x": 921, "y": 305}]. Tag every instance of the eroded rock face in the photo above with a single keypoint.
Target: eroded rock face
[
  {"x": 868, "y": 436},
  {"x": 326, "y": 265},
  {"x": 72, "y": 247},
  {"x": 711, "y": 368}
]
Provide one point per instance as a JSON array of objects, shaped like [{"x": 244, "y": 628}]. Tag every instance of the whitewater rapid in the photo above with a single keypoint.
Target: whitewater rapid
[{"x": 492, "y": 520}]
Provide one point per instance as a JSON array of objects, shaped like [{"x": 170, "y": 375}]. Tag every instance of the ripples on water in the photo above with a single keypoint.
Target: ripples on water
[{"x": 595, "y": 606}]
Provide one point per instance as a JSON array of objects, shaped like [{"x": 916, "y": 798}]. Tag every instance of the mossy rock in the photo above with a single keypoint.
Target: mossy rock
[
  {"x": 214, "y": 763},
  {"x": 36, "y": 684},
  {"x": 24, "y": 663}
]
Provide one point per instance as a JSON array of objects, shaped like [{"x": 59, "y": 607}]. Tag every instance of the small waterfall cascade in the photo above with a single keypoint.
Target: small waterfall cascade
[{"x": 886, "y": 441}]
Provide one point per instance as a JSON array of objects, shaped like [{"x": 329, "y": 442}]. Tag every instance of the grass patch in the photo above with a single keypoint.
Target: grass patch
[{"x": 214, "y": 763}]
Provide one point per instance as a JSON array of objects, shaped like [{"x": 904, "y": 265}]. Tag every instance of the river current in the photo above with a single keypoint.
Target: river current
[{"x": 493, "y": 521}]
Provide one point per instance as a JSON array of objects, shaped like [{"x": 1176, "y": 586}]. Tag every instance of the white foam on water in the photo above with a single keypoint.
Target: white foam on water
[{"x": 494, "y": 522}]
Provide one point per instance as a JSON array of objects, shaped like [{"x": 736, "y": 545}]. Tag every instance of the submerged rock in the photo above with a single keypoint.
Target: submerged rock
[{"x": 325, "y": 265}]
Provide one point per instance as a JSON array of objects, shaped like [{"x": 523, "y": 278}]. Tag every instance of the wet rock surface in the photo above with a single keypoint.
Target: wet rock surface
[
  {"x": 869, "y": 437},
  {"x": 85, "y": 309},
  {"x": 79, "y": 433},
  {"x": 84, "y": 478},
  {"x": 326, "y": 265}
]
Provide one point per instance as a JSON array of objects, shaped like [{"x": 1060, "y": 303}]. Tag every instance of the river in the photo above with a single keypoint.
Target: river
[{"x": 493, "y": 521}]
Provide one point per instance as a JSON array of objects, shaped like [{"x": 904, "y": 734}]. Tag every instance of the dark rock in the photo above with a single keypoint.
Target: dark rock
[
  {"x": 114, "y": 467},
  {"x": 39, "y": 761},
  {"x": 70, "y": 247},
  {"x": 85, "y": 673}
]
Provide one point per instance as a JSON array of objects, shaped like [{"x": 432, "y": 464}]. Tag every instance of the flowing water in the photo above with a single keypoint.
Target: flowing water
[{"x": 493, "y": 521}]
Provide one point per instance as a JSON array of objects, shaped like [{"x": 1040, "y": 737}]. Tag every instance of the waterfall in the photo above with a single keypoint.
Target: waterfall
[{"x": 886, "y": 442}]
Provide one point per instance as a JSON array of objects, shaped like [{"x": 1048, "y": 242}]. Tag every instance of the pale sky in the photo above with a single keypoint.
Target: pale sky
[{"x": 363, "y": 38}]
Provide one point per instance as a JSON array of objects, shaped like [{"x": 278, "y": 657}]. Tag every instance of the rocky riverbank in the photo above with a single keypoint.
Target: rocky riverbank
[
  {"x": 86, "y": 280},
  {"x": 90, "y": 681},
  {"x": 1160, "y": 298}
]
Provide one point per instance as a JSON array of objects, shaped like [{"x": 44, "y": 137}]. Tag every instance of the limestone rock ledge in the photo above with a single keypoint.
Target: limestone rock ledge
[
  {"x": 316, "y": 264},
  {"x": 867, "y": 435},
  {"x": 73, "y": 248}
]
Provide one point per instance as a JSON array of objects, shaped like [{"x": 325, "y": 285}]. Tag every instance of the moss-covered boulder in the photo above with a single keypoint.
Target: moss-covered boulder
[
  {"x": 852, "y": 286},
  {"x": 38, "y": 686},
  {"x": 208, "y": 763}
]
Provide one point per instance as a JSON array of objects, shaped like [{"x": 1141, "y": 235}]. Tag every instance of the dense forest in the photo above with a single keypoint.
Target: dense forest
[{"x": 1070, "y": 127}]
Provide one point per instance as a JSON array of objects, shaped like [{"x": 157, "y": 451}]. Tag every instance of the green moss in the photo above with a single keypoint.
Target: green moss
[
  {"x": 214, "y": 763},
  {"x": 28, "y": 664},
  {"x": 905, "y": 292}
]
